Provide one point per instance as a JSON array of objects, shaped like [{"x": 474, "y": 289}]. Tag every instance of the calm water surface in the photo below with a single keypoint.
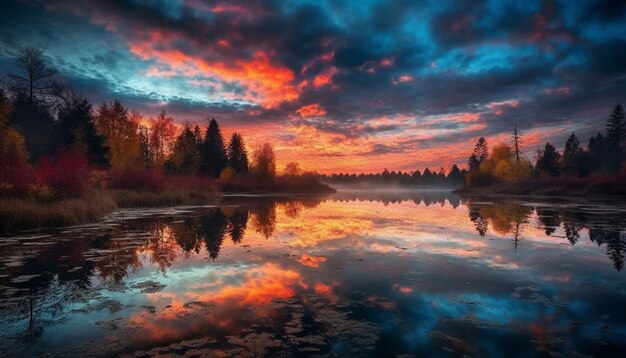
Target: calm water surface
[{"x": 353, "y": 274}]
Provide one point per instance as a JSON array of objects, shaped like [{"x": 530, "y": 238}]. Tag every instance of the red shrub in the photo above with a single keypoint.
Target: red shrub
[
  {"x": 16, "y": 177},
  {"x": 138, "y": 179},
  {"x": 66, "y": 173},
  {"x": 192, "y": 182}
]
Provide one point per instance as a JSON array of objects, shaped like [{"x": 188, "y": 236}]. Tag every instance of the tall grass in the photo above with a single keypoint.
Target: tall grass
[
  {"x": 133, "y": 199},
  {"x": 26, "y": 213},
  {"x": 16, "y": 214}
]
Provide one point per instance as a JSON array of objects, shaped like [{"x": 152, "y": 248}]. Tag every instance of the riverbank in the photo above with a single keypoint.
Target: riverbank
[
  {"x": 28, "y": 213},
  {"x": 580, "y": 187}
]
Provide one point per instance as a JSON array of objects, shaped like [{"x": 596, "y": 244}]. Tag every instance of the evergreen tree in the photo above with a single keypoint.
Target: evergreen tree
[
  {"x": 237, "y": 155},
  {"x": 214, "y": 158},
  {"x": 597, "y": 153},
  {"x": 479, "y": 154},
  {"x": 78, "y": 131},
  {"x": 549, "y": 162},
  {"x": 455, "y": 177},
  {"x": 571, "y": 155},
  {"x": 185, "y": 157},
  {"x": 616, "y": 137}
]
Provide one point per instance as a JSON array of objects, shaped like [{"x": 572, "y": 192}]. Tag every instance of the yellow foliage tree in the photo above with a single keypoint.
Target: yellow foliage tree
[
  {"x": 503, "y": 166},
  {"x": 12, "y": 146},
  {"x": 121, "y": 130}
]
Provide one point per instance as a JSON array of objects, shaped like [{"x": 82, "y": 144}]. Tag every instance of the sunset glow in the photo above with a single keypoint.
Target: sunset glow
[{"x": 401, "y": 86}]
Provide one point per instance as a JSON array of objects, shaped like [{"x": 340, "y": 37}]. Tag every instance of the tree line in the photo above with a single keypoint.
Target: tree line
[
  {"x": 454, "y": 178},
  {"x": 605, "y": 154},
  {"x": 40, "y": 118}
]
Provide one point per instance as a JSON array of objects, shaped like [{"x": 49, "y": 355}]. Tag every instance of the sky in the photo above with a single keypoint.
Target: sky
[{"x": 343, "y": 86}]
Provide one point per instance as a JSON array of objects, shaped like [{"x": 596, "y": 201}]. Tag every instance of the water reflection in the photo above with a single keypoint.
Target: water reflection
[
  {"x": 358, "y": 273},
  {"x": 605, "y": 225}
]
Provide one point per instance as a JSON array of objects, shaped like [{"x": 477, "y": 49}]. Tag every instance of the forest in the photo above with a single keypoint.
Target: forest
[{"x": 65, "y": 161}]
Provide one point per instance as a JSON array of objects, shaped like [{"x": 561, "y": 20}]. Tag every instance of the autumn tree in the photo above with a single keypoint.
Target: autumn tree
[
  {"x": 185, "y": 156},
  {"x": 264, "y": 164},
  {"x": 616, "y": 138},
  {"x": 161, "y": 139},
  {"x": 12, "y": 148},
  {"x": 237, "y": 154},
  {"x": 120, "y": 129},
  {"x": 214, "y": 158},
  {"x": 144, "y": 146},
  {"x": 77, "y": 129}
]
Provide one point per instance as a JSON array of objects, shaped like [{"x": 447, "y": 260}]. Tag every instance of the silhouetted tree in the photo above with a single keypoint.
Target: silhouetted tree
[
  {"x": 214, "y": 158},
  {"x": 516, "y": 143},
  {"x": 549, "y": 162},
  {"x": 455, "y": 177},
  {"x": 615, "y": 137},
  {"x": 237, "y": 154},
  {"x": 36, "y": 82},
  {"x": 597, "y": 153},
  {"x": 479, "y": 154},
  {"x": 571, "y": 155},
  {"x": 185, "y": 156},
  {"x": 78, "y": 131}
]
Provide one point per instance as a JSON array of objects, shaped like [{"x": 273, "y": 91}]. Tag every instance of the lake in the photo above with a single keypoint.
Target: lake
[{"x": 353, "y": 274}]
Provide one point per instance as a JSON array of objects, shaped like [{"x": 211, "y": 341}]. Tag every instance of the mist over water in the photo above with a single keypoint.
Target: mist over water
[{"x": 359, "y": 273}]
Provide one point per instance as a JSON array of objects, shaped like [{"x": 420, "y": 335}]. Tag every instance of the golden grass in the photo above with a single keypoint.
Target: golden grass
[
  {"x": 26, "y": 213},
  {"x": 133, "y": 199},
  {"x": 18, "y": 214}
]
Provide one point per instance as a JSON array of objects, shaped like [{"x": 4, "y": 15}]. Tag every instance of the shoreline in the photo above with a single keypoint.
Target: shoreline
[
  {"x": 18, "y": 214},
  {"x": 551, "y": 188}
]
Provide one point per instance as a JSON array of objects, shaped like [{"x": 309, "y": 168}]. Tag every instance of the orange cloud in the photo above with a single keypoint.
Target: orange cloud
[
  {"x": 267, "y": 83},
  {"x": 325, "y": 78},
  {"x": 311, "y": 110}
]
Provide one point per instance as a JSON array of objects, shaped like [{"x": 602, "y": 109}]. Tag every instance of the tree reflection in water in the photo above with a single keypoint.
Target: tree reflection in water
[
  {"x": 509, "y": 217},
  {"x": 41, "y": 280}
]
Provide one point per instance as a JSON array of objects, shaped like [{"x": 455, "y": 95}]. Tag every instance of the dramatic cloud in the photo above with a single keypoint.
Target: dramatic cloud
[{"x": 351, "y": 86}]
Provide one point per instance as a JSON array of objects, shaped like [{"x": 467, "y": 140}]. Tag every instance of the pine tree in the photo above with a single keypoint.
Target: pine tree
[
  {"x": 77, "y": 129},
  {"x": 616, "y": 137},
  {"x": 237, "y": 155},
  {"x": 549, "y": 162},
  {"x": 571, "y": 155},
  {"x": 214, "y": 158},
  {"x": 479, "y": 154}
]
